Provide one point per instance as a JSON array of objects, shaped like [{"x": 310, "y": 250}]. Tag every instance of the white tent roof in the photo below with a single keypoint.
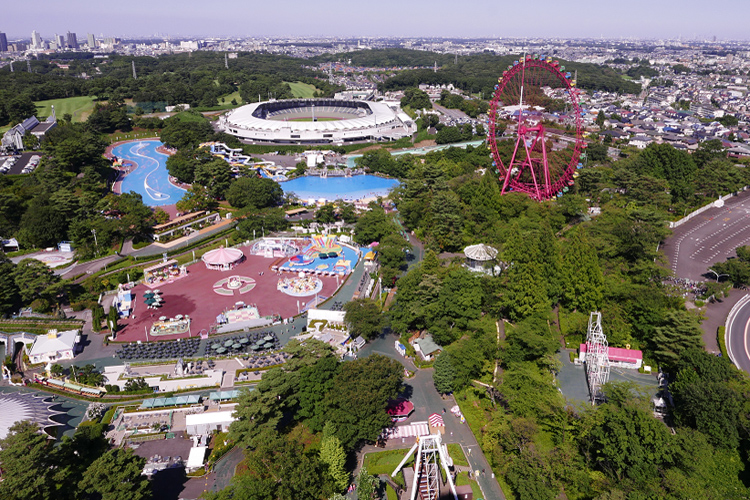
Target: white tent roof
[
  {"x": 222, "y": 256},
  {"x": 211, "y": 417},
  {"x": 480, "y": 252},
  {"x": 196, "y": 457}
]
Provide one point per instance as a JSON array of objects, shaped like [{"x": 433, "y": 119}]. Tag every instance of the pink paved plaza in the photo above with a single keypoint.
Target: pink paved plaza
[{"x": 193, "y": 295}]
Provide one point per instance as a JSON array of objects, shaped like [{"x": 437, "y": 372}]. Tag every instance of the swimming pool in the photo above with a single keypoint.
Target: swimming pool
[
  {"x": 150, "y": 178},
  {"x": 335, "y": 188}
]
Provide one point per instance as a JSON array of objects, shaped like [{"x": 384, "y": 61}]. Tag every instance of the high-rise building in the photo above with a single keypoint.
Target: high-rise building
[
  {"x": 91, "y": 40},
  {"x": 60, "y": 41},
  {"x": 3, "y": 42},
  {"x": 36, "y": 40},
  {"x": 72, "y": 41}
]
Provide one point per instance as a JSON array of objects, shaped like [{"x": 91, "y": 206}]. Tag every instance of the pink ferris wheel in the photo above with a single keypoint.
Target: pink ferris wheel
[{"x": 535, "y": 128}]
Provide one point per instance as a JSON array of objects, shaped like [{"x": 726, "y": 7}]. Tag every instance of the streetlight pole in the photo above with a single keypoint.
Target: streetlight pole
[
  {"x": 717, "y": 274},
  {"x": 96, "y": 244}
]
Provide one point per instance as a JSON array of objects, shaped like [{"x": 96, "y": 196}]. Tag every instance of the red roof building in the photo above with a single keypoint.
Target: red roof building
[{"x": 623, "y": 358}]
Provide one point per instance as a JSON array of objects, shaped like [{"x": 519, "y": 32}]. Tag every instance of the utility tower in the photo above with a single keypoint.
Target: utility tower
[
  {"x": 597, "y": 358},
  {"x": 429, "y": 450}
]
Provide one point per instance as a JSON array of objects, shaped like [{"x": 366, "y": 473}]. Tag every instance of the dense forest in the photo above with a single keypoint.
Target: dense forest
[
  {"x": 198, "y": 79},
  {"x": 475, "y": 74}
]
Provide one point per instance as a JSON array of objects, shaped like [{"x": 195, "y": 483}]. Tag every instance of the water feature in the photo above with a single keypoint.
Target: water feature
[
  {"x": 149, "y": 178},
  {"x": 335, "y": 188}
]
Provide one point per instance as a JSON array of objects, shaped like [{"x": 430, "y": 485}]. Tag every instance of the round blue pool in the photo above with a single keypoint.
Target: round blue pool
[
  {"x": 149, "y": 178},
  {"x": 339, "y": 188}
]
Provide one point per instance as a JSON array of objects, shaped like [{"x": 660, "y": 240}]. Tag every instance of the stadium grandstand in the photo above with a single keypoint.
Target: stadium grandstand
[{"x": 318, "y": 121}]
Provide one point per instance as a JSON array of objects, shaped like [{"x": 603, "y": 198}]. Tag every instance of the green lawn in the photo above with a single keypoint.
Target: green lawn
[
  {"x": 79, "y": 107},
  {"x": 383, "y": 462},
  {"x": 457, "y": 454},
  {"x": 302, "y": 90},
  {"x": 463, "y": 478},
  {"x": 318, "y": 119}
]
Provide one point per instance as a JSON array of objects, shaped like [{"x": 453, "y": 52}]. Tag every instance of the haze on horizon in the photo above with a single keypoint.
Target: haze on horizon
[{"x": 653, "y": 19}]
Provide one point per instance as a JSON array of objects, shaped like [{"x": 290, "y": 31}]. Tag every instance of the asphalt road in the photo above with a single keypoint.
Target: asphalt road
[
  {"x": 738, "y": 328},
  {"x": 708, "y": 238}
]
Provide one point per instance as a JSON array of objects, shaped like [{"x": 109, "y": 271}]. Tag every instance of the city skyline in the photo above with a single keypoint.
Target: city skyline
[{"x": 335, "y": 18}]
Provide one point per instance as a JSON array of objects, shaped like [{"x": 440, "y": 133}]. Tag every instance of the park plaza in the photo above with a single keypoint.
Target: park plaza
[{"x": 257, "y": 281}]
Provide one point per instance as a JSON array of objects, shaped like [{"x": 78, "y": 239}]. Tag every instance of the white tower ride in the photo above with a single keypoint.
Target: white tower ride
[
  {"x": 597, "y": 358},
  {"x": 426, "y": 470}
]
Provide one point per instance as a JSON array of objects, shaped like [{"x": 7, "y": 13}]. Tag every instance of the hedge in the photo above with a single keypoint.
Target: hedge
[{"x": 721, "y": 334}]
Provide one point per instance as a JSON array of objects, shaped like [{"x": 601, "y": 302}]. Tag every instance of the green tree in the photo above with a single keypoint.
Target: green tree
[
  {"x": 600, "y": 119},
  {"x": 116, "y": 475},
  {"x": 181, "y": 165},
  {"x": 255, "y": 192},
  {"x": 367, "y": 485},
  {"x": 9, "y": 291},
  {"x": 416, "y": 99},
  {"x": 195, "y": 199},
  {"x": 372, "y": 226},
  {"x": 26, "y": 463},
  {"x": 325, "y": 214},
  {"x": 333, "y": 455},
  {"x": 583, "y": 281},
  {"x": 215, "y": 176},
  {"x": 34, "y": 280},
  {"x": 363, "y": 318},
  {"x": 679, "y": 332},
  {"x": 447, "y": 220},
  {"x": 627, "y": 442},
  {"x": 42, "y": 225},
  {"x": 357, "y": 405},
  {"x": 443, "y": 374}
]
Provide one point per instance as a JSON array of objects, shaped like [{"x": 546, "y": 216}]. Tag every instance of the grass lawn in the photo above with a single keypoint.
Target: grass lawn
[
  {"x": 463, "y": 478},
  {"x": 79, "y": 107},
  {"x": 457, "y": 454},
  {"x": 318, "y": 119},
  {"x": 302, "y": 90},
  {"x": 228, "y": 99},
  {"x": 389, "y": 493},
  {"x": 383, "y": 462}
]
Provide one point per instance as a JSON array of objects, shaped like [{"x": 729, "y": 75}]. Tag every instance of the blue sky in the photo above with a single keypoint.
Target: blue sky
[{"x": 356, "y": 18}]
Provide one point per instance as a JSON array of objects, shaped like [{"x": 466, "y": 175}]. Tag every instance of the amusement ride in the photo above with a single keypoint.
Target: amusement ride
[{"x": 535, "y": 105}]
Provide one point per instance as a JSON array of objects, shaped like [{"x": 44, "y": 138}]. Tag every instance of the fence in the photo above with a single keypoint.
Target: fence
[{"x": 702, "y": 209}]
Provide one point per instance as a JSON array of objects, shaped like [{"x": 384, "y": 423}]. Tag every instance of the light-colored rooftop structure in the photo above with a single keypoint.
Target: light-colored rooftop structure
[
  {"x": 318, "y": 120},
  {"x": 54, "y": 346},
  {"x": 19, "y": 406}
]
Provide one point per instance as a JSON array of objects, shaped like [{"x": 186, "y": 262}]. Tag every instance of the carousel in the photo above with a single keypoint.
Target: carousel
[
  {"x": 223, "y": 259},
  {"x": 480, "y": 258}
]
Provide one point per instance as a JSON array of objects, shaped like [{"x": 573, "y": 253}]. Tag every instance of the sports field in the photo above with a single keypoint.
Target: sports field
[
  {"x": 309, "y": 119},
  {"x": 302, "y": 90},
  {"x": 79, "y": 107}
]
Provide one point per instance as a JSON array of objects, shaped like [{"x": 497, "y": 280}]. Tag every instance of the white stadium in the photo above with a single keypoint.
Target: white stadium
[{"x": 318, "y": 121}]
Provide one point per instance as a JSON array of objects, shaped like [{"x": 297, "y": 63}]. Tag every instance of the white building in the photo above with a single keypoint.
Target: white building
[
  {"x": 206, "y": 423},
  {"x": 54, "y": 346}
]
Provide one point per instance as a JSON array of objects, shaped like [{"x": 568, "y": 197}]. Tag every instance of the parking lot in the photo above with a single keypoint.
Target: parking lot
[
  {"x": 19, "y": 164},
  {"x": 708, "y": 238}
]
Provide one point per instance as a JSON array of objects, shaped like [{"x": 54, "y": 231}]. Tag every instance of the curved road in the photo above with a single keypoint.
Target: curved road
[{"x": 737, "y": 332}]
